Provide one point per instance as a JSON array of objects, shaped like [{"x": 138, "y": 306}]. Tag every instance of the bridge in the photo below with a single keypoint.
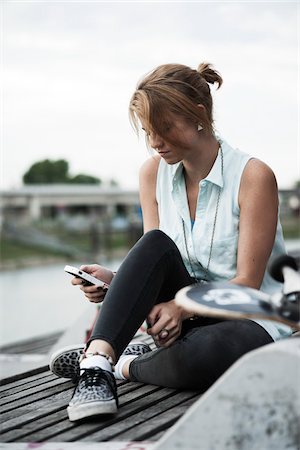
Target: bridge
[{"x": 33, "y": 202}]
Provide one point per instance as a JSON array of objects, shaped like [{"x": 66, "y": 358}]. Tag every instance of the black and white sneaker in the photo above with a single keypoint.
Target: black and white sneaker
[
  {"x": 96, "y": 393},
  {"x": 65, "y": 362},
  {"x": 136, "y": 348},
  {"x": 131, "y": 352}
]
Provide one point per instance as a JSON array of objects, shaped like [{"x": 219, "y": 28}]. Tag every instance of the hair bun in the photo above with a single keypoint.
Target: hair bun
[{"x": 210, "y": 75}]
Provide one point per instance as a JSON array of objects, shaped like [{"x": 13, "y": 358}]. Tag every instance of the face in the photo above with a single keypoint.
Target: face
[{"x": 180, "y": 139}]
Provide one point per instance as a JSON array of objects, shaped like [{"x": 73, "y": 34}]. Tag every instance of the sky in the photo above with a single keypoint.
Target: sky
[{"x": 69, "y": 69}]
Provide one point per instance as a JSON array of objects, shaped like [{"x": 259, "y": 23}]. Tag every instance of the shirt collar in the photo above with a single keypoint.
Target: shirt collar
[
  {"x": 177, "y": 172},
  {"x": 215, "y": 175}
]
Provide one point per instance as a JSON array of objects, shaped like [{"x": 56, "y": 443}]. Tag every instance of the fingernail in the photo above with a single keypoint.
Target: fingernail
[{"x": 163, "y": 335}]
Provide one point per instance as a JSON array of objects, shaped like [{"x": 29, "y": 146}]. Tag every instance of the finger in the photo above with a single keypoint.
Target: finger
[
  {"x": 152, "y": 316},
  {"x": 95, "y": 295},
  {"x": 91, "y": 289},
  {"x": 159, "y": 326},
  {"x": 95, "y": 299},
  {"x": 76, "y": 281},
  {"x": 169, "y": 342},
  {"x": 170, "y": 339},
  {"x": 163, "y": 334},
  {"x": 87, "y": 269}
]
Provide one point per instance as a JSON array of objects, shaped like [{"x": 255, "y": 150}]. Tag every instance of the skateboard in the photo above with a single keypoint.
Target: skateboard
[{"x": 226, "y": 300}]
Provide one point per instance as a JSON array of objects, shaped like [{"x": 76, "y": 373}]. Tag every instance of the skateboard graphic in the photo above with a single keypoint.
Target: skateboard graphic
[{"x": 226, "y": 300}]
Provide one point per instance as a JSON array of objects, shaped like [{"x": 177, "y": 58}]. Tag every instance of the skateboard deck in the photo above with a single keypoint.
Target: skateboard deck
[{"x": 231, "y": 301}]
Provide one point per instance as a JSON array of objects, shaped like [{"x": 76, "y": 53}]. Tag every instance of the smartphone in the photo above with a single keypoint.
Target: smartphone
[{"x": 89, "y": 280}]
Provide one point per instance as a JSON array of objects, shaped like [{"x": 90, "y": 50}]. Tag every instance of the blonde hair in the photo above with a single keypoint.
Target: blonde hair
[{"x": 178, "y": 89}]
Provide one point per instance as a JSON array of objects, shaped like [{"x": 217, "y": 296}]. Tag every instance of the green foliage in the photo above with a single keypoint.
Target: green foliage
[
  {"x": 81, "y": 178},
  {"x": 49, "y": 171}
]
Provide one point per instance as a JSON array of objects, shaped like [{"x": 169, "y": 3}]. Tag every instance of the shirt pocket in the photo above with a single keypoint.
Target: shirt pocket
[{"x": 223, "y": 261}]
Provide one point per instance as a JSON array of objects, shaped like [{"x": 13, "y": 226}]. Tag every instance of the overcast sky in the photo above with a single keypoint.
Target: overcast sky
[{"x": 70, "y": 69}]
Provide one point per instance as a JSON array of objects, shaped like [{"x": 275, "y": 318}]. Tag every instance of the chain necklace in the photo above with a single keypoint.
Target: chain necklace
[{"x": 212, "y": 234}]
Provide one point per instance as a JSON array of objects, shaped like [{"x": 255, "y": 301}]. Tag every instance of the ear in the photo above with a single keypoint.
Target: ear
[{"x": 201, "y": 107}]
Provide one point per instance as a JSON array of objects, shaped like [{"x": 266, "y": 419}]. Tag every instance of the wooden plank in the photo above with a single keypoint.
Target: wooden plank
[
  {"x": 29, "y": 402},
  {"x": 67, "y": 431},
  {"x": 32, "y": 411},
  {"x": 35, "y": 383},
  {"x": 130, "y": 427},
  {"x": 24, "y": 374},
  {"x": 32, "y": 393},
  {"x": 48, "y": 415},
  {"x": 24, "y": 381},
  {"x": 153, "y": 420}
]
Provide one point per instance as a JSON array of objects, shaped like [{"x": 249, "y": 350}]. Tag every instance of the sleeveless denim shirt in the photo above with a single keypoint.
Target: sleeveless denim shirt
[{"x": 174, "y": 214}]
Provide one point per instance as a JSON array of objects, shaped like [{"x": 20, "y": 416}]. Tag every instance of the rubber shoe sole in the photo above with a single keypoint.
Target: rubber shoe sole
[
  {"x": 80, "y": 412},
  {"x": 64, "y": 363}
]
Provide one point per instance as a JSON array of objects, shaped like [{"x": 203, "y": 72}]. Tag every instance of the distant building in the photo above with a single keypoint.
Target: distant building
[{"x": 34, "y": 202}]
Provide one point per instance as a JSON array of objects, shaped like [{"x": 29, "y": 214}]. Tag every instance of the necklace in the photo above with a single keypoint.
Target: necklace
[{"x": 212, "y": 234}]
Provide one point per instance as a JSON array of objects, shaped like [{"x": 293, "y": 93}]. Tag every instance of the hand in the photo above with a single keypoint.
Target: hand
[
  {"x": 165, "y": 316},
  {"x": 94, "y": 294}
]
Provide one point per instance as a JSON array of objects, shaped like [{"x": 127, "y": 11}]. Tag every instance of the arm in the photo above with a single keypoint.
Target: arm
[
  {"x": 258, "y": 201},
  {"x": 148, "y": 175}
]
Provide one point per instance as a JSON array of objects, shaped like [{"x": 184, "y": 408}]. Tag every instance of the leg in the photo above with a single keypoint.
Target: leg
[
  {"x": 201, "y": 355},
  {"x": 152, "y": 272}
]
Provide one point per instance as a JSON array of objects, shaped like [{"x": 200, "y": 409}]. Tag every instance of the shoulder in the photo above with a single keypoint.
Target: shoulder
[
  {"x": 258, "y": 180},
  {"x": 257, "y": 171},
  {"x": 149, "y": 168}
]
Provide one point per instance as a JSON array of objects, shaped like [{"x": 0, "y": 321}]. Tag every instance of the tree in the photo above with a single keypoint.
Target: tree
[
  {"x": 49, "y": 172},
  {"x": 81, "y": 178}
]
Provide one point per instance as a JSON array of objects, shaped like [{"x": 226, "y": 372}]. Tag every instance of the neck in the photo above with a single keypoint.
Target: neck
[{"x": 199, "y": 161}]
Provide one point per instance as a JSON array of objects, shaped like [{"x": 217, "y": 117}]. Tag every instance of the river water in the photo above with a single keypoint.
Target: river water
[{"x": 41, "y": 300}]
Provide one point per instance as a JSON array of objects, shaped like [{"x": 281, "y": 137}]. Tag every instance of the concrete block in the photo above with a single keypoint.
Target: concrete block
[{"x": 255, "y": 405}]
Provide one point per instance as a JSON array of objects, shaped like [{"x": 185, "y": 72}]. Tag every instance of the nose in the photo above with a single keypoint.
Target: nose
[{"x": 155, "y": 140}]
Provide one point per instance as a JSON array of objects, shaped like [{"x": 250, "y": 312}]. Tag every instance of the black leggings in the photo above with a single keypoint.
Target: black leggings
[{"x": 153, "y": 272}]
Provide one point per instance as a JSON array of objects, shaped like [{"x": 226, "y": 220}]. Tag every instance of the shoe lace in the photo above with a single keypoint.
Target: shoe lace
[{"x": 95, "y": 376}]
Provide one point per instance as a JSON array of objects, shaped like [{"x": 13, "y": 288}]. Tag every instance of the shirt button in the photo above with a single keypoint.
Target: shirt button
[{"x": 203, "y": 183}]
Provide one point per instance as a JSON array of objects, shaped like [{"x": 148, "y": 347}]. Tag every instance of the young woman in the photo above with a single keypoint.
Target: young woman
[{"x": 210, "y": 213}]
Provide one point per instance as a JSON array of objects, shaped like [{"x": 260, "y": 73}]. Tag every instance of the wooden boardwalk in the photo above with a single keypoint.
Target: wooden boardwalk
[
  {"x": 33, "y": 406},
  {"x": 33, "y": 409}
]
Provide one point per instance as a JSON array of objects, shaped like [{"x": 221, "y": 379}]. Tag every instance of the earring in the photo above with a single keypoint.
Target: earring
[{"x": 200, "y": 127}]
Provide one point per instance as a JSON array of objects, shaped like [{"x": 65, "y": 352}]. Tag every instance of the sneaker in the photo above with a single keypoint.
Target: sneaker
[
  {"x": 64, "y": 363},
  {"x": 136, "y": 348},
  {"x": 96, "y": 393},
  {"x": 131, "y": 352}
]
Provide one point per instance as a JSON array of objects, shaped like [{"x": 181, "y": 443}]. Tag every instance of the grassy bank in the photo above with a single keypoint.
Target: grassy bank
[{"x": 14, "y": 254}]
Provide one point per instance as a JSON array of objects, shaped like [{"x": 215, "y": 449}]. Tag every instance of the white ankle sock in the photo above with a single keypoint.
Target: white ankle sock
[
  {"x": 95, "y": 361},
  {"x": 118, "y": 373}
]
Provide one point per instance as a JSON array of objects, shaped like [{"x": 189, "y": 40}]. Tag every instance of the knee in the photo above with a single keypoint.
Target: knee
[{"x": 159, "y": 238}]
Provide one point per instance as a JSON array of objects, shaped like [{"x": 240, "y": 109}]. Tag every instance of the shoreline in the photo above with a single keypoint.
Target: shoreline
[
  {"x": 37, "y": 261},
  {"x": 292, "y": 246}
]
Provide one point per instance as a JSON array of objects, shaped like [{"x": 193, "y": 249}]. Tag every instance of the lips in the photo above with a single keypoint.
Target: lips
[{"x": 163, "y": 153}]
